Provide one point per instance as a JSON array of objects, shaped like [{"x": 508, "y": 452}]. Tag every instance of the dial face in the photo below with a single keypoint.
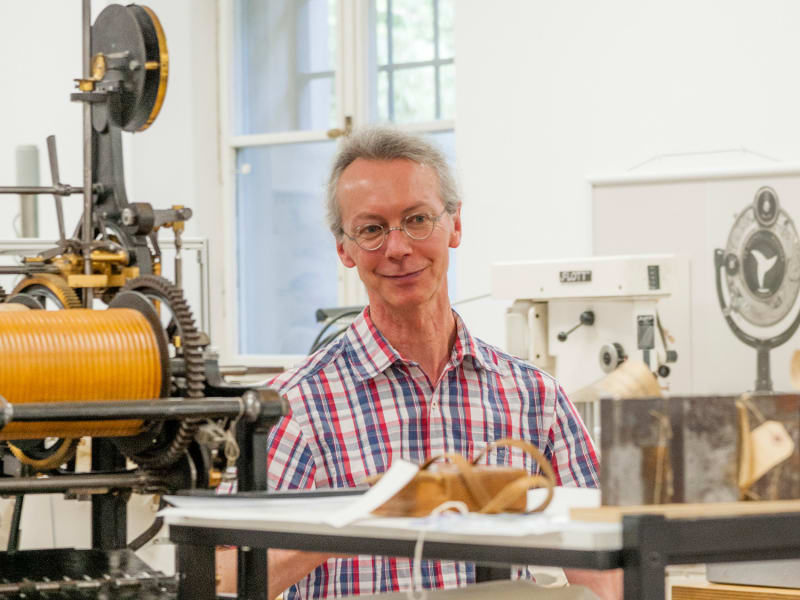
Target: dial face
[{"x": 762, "y": 266}]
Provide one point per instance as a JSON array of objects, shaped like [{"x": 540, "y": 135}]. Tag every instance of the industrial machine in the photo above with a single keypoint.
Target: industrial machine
[
  {"x": 594, "y": 324},
  {"x": 135, "y": 379},
  {"x": 581, "y": 319}
]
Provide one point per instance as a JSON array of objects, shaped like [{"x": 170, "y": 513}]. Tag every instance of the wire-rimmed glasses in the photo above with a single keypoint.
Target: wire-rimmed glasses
[{"x": 418, "y": 226}]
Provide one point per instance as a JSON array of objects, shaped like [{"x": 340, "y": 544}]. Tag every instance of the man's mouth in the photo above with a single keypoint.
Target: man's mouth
[{"x": 404, "y": 276}]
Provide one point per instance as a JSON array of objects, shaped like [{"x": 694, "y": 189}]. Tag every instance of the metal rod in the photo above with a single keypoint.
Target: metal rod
[
  {"x": 28, "y": 174},
  {"x": 153, "y": 410},
  {"x": 26, "y": 269},
  {"x": 62, "y": 483},
  {"x": 88, "y": 224},
  {"x": 64, "y": 190},
  {"x": 77, "y": 586},
  {"x": 53, "y": 156},
  {"x": 178, "y": 258}
]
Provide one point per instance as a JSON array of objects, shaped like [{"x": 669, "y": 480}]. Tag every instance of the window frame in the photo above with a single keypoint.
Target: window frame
[{"x": 355, "y": 61}]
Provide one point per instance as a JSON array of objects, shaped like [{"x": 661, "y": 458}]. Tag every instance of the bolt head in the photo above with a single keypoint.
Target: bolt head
[{"x": 128, "y": 217}]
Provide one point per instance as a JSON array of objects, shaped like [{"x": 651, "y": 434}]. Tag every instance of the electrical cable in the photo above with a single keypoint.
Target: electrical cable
[
  {"x": 149, "y": 533},
  {"x": 316, "y": 345},
  {"x": 329, "y": 339},
  {"x": 16, "y": 518}
]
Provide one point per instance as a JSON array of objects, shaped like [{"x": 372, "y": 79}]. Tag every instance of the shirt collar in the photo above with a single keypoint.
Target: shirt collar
[{"x": 374, "y": 354}]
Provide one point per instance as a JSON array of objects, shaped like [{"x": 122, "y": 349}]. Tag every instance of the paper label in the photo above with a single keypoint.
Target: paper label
[{"x": 771, "y": 444}]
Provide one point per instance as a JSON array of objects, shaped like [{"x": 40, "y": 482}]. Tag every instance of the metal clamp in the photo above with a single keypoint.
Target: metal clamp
[{"x": 6, "y": 412}]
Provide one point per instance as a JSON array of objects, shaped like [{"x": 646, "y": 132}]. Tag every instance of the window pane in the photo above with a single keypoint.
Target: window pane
[
  {"x": 381, "y": 32},
  {"x": 286, "y": 254},
  {"x": 410, "y": 26},
  {"x": 278, "y": 45},
  {"x": 412, "y": 31},
  {"x": 383, "y": 96},
  {"x": 414, "y": 95},
  {"x": 447, "y": 87},
  {"x": 316, "y": 103},
  {"x": 446, "y": 45}
]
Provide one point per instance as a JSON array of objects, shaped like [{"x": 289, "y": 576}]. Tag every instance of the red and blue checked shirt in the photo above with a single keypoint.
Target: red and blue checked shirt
[{"x": 357, "y": 405}]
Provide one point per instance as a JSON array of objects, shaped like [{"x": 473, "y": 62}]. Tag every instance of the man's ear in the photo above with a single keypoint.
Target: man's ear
[
  {"x": 455, "y": 235},
  {"x": 344, "y": 254}
]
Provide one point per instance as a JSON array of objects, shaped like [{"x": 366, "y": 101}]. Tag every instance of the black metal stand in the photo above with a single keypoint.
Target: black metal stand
[
  {"x": 195, "y": 565},
  {"x": 252, "y": 473},
  {"x": 110, "y": 510}
]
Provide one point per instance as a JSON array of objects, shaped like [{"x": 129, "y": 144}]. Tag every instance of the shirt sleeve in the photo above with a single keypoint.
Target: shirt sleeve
[
  {"x": 573, "y": 455},
  {"x": 290, "y": 463}
]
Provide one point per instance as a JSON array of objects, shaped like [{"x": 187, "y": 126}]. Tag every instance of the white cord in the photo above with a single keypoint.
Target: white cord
[{"x": 416, "y": 591}]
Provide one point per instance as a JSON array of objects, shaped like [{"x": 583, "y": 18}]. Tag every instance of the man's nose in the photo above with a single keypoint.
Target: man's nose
[{"x": 397, "y": 245}]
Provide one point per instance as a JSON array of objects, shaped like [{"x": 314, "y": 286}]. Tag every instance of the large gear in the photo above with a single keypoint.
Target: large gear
[
  {"x": 52, "y": 285},
  {"x": 191, "y": 344},
  {"x": 2, "y": 295}
]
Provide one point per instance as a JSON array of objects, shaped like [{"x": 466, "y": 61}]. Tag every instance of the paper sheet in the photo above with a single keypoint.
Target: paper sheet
[{"x": 336, "y": 511}]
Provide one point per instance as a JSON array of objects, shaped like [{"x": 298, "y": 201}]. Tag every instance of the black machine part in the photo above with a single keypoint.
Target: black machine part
[
  {"x": 134, "y": 64},
  {"x": 162, "y": 445},
  {"x": 71, "y": 573}
]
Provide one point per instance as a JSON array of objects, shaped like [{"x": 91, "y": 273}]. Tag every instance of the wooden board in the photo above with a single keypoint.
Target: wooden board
[
  {"x": 714, "y": 591},
  {"x": 613, "y": 514}
]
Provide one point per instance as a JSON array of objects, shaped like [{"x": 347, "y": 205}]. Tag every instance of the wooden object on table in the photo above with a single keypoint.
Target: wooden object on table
[
  {"x": 613, "y": 514},
  {"x": 716, "y": 591}
]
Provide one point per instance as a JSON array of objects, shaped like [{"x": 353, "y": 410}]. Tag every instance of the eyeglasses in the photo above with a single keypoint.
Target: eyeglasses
[{"x": 371, "y": 236}]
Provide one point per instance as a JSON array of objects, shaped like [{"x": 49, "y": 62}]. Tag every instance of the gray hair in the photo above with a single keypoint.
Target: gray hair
[{"x": 386, "y": 143}]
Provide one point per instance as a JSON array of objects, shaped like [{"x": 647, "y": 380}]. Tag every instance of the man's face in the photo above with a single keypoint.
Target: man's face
[{"x": 402, "y": 273}]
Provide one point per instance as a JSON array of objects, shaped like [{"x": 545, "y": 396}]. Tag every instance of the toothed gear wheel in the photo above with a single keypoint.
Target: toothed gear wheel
[
  {"x": 3, "y": 295},
  {"x": 51, "y": 286},
  {"x": 163, "y": 290}
]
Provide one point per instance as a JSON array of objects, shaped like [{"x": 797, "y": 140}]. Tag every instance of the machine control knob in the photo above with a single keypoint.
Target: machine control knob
[
  {"x": 663, "y": 371},
  {"x": 586, "y": 318},
  {"x": 611, "y": 356},
  {"x": 672, "y": 356}
]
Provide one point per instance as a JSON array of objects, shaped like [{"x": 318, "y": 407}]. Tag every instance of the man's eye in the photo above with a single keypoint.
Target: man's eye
[
  {"x": 369, "y": 229},
  {"x": 417, "y": 219}
]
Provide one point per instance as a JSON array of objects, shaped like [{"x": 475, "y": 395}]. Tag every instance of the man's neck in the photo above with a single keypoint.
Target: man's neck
[{"x": 423, "y": 334}]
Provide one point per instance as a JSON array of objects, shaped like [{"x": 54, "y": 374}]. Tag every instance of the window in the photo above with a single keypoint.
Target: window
[
  {"x": 299, "y": 71},
  {"x": 415, "y": 70}
]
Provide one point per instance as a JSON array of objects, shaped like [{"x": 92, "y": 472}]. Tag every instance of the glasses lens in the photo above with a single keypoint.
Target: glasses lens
[
  {"x": 418, "y": 227},
  {"x": 369, "y": 237}
]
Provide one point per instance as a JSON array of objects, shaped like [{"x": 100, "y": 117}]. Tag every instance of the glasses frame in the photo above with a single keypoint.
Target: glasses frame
[{"x": 402, "y": 227}]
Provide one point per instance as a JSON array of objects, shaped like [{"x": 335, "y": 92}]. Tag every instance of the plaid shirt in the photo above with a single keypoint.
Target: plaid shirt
[{"x": 356, "y": 405}]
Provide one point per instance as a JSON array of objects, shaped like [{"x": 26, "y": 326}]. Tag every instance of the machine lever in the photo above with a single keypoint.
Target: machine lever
[
  {"x": 51, "y": 153},
  {"x": 587, "y": 318}
]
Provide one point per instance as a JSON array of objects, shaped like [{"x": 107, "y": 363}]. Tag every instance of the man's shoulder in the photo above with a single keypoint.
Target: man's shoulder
[
  {"x": 311, "y": 368},
  {"x": 512, "y": 365}
]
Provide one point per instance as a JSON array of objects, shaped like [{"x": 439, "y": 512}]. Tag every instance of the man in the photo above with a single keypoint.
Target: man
[{"x": 406, "y": 380}]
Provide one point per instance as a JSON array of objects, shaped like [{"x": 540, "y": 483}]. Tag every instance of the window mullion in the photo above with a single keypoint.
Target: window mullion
[
  {"x": 437, "y": 83},
  {"x": 353, "y": 71},
  {"x": 390, "y": 59}
]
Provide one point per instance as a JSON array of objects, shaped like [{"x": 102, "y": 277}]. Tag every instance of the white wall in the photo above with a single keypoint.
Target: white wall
[
  {"x": 40, "y": 50},
  {"x": 549, "y": 93}
]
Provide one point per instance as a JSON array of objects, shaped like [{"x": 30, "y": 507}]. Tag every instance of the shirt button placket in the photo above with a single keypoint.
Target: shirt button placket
[{"x": 435, "y": 421}]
